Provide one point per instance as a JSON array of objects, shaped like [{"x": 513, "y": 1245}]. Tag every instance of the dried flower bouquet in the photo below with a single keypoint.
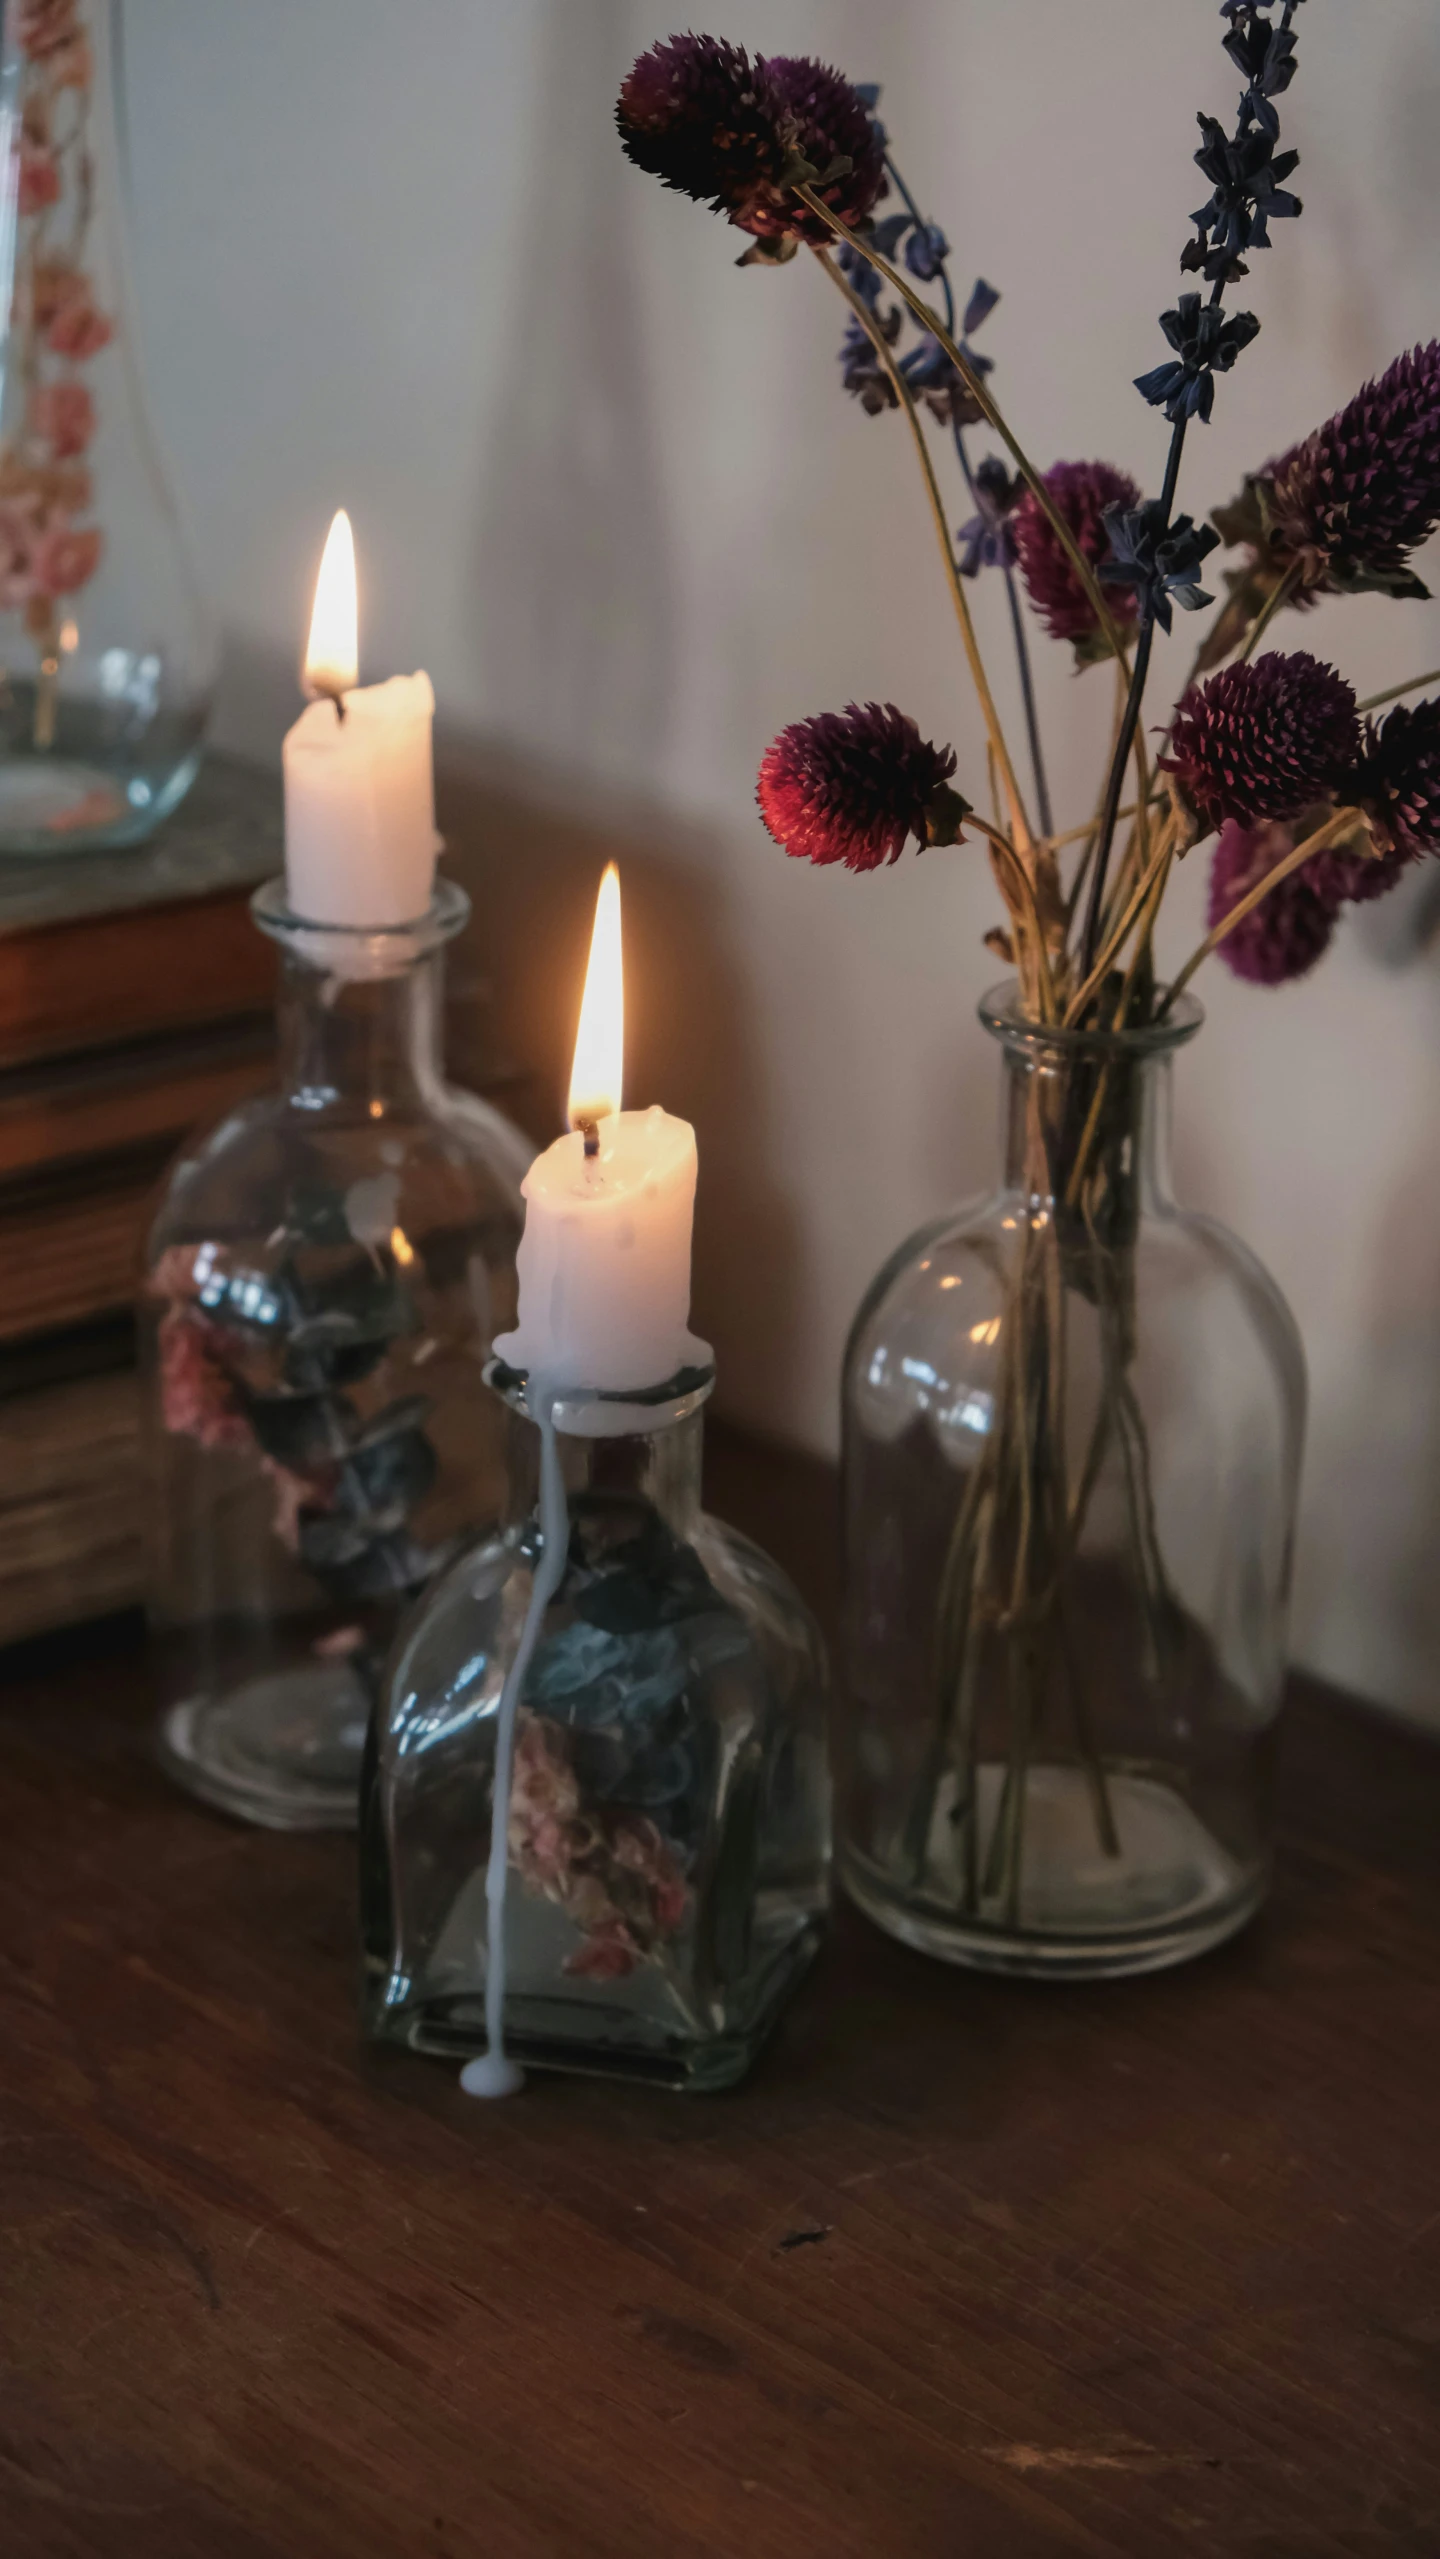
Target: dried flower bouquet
[{"x": 1314, "y": 804}]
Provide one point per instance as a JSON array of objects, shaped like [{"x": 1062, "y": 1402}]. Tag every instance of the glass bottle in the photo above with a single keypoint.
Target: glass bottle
[
  {"x": 1072, "y": 1427},
  {"x": 324, "y": 1278},
  {"x": 107, "y": 656},
  {"x": 669, "y": 1834}
]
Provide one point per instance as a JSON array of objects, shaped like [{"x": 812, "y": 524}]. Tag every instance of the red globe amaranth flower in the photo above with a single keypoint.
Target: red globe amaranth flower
[
  {"x": 1081, "y": 492},
  {"x": 852, "y": 786},
  {"x": 1352, "y": 501},
  {"x": 1397, "y": 781},
  {"x": 1263, "y": 741},
  {"x": 699, "y": 115},
  {"x": 830, "y": 121},
  {"x": 1290, "y": 929}
]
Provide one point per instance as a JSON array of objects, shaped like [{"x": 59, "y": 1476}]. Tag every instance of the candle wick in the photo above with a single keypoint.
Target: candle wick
[
  {"x": 590, "y": 1131},
  {"x": 321, "y": 692}
]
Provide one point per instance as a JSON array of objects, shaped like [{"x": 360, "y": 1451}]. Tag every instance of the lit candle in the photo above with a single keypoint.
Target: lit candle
[
  {"x": 360, "y": 841},
  {"x": 604, "y": 1261},
  {"x": 604, "y": 1295}
]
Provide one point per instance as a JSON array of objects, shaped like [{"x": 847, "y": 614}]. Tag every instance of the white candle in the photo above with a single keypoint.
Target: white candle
[
  {"x": 604, "y": 1260},
  {"x": 360, "y": 841}
]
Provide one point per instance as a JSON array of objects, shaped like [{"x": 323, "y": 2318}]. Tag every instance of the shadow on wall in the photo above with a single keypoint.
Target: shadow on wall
[
  {"x": 572, "y": 598},
  {"x": 1378, "y": 1619},
  {"x": 530, "y": 850}
]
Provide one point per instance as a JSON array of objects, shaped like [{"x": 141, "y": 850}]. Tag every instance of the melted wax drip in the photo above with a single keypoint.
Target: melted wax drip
[{"x": 492, "y": 2073}]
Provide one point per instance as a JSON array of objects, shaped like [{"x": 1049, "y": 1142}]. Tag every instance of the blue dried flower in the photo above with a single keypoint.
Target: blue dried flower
[
  {"x": 926, "y": 251},
  {"x": 1207, "y": 341},
  {"x": 943, "y": 388},
  {"x": 988, "y": 540},
  {"x": 1248, "y": 176},
  {"x": 1155, "y": 559},
  {"x": 861, "y": 371}
]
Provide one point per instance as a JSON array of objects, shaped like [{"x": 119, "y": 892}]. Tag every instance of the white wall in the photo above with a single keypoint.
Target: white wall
[{"x": 608, "y": 491}]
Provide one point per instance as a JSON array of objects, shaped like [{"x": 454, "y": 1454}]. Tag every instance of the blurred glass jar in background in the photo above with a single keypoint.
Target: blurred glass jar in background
[
  {"x": 324, "y": 1278},
  {"x": 107, "y": 655}
]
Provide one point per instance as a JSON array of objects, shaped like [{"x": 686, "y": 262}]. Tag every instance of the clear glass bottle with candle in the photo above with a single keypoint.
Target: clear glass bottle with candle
[
  {"x": 595, "y": 1830},
  {"x": 325, "y": 1278},
  {"x": 668, "y": 1833}
]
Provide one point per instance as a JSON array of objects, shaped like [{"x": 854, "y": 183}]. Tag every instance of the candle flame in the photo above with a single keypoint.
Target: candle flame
[
  {"x": 600, "y": 1040},
  {"x": 332, "y": 652}
]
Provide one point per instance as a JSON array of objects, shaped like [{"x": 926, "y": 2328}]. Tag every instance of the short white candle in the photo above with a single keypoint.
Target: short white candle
[
  {"x": 604, "y": 1261},
  {"x": 360, "y": 841}
]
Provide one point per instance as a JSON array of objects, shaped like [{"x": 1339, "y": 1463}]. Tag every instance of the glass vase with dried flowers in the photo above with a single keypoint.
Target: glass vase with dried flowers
[
  {"x": 1073, "y": 1411},
  {"x": 107, "y": 656}
]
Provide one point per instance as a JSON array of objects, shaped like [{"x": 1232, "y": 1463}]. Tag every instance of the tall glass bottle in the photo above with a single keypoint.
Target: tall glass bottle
[
  {"x": 669, "y": 1812},
  {"x": 1072, "y": 1426},
  {"x": 324, "y": 1278},
  {"x": 107, "y": 656}
]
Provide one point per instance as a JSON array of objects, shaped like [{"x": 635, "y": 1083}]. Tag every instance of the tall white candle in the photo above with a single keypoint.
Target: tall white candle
[
  {"x": 604, "y": 1261},
  {"x": 360, "y": 839}
]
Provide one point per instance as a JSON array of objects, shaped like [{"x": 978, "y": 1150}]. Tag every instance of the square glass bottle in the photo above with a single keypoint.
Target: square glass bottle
[{"x": 669, "y": 1831}]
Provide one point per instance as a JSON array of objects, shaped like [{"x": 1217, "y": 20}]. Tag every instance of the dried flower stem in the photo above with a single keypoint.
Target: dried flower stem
[
  {"x": 1017, "y": 619},
  {"x": 1376, "y": 701},
  {"x": 1279, "y": 595},
  {"x": 978, "y": 675},
  {"x": 1114, "y": 941},
  {"x": 1335, "y": 826}
]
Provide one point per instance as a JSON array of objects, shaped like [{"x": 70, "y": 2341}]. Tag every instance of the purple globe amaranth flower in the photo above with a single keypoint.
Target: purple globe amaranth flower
[
  {"x": 853, "y": 786},
  {"x": 1081, "y": 492},
  {"x": 829, "y": 121},
  {"x": 1397, "y": 780},
  {"x": 1291, "y": 928},
  {"x": 697, "y": 113},
  {"x": 1350, "y": 503},
  {"x": 1263, "y": 741}
]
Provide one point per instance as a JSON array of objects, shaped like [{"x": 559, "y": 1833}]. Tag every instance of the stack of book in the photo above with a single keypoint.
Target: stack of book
[{"x": 136, "y": 999}]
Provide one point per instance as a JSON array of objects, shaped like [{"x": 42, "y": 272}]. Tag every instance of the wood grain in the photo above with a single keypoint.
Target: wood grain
[{"x": 1135, "y": 2269}]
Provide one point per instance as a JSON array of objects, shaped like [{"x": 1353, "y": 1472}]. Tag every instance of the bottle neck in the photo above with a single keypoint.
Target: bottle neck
[
  {"x": 1105, "y": 1112},
  {"x": 361, "y": 1047},
  {"x": 659, "y": 1467}
]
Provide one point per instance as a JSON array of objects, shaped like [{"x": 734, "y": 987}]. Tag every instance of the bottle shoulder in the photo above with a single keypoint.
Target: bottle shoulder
[{"x": 261, "y": 1168}]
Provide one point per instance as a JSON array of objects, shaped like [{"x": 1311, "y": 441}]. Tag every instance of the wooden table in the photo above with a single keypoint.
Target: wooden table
[{"x": 967, "y": 2269}]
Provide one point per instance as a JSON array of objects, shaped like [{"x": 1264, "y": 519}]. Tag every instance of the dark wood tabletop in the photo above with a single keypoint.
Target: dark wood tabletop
[{"x": 968, "y": 2270}]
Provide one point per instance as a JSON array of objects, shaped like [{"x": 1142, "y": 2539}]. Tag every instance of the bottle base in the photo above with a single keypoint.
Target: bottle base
[
  {"x": 282, "y": 1750},
  {"x": 53, "y": 806},
  {"x": 1164, "y": 1892},
  {"x": 592, "y": 2038}
]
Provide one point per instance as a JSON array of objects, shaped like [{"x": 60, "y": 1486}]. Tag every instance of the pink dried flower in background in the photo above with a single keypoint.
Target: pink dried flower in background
[
  {"x": 73, "y": 67},
  {"x": 39, "y": 182},
  {"x": 78, "y": 329},
  {"x": 66, "y": 557},
  {"x": 197, "y": 1398},
  {"x": 43, "y": 26},
  {"x": 64, "y": 414}
]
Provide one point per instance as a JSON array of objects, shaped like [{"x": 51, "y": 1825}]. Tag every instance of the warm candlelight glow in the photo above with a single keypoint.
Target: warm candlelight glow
[
  {"x": 600, "y": 1041},
  {"x": 332, "y": 653}
]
